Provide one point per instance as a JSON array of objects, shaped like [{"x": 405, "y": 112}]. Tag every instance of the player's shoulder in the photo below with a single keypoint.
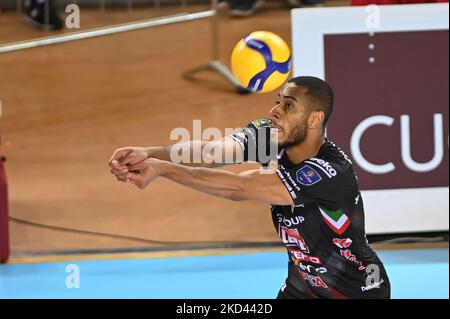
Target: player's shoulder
[
  {"x": 332, "y": 161},
  {"x": 332, "y": 153}
]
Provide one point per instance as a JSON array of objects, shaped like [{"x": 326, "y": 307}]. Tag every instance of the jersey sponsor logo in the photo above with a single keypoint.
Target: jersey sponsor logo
[
  {"x": 308, "y": 176},
  {"x": 289, "y": 222},
  {"x": 314, "y": 281},
  {"x": 300, "y": 256},
  {"x": 347, "y": 254},
  {"x": 337, "y": 220},
  {"x": 324, "y": 166},
  {"x": 342, "y": 243},
  {"x": 310, "y": 268},
  {"x": 293, "y": 183},
  {"x": 291, "y": 236},
  {"x": 288, "y": 186},
  {"x": 372, "y": 286}
]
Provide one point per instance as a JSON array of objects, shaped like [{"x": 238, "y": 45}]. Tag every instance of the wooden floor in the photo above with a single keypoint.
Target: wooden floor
[{"x": 67, "y": 107}]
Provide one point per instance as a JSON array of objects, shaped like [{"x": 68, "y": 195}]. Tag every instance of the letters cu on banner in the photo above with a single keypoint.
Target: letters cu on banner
[{"x": 391, "y": 115}]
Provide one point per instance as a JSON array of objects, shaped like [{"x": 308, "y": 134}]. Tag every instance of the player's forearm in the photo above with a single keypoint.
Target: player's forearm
[
  {"x": 189, "y": 153},
  {"x": 159, "y": 152},
  {"x": 214, "y": 182}
]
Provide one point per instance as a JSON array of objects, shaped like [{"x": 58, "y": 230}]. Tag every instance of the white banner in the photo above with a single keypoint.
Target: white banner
[{"x": 381, "y": 64}]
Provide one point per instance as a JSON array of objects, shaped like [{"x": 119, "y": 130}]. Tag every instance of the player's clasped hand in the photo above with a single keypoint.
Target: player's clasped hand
[
  {"x": 143, "y": 173},
  {"x": 132, "y": 165},
  {"x": 122, "y": 158}
]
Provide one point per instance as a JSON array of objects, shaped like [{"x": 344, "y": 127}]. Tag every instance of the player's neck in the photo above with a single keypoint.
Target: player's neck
[{"x": 308, "y": 148}]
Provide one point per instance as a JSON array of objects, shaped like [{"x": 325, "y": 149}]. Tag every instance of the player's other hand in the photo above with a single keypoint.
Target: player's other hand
[
  {"x": 143, "y": 173},
  {"x": 124, "y": 157}
]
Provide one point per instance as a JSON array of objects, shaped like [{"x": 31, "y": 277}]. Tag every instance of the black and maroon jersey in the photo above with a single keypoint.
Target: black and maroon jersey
[{"x": 329, "y": 256}]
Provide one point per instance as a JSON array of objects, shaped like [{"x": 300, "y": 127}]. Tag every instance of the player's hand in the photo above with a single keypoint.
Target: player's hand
[
  {"x": 143, "y": 173},
  {"x": 122, "y": 158}
]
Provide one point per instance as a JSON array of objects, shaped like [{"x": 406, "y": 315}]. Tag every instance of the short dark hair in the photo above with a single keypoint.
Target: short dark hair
[{"x": 319, "y": 93}]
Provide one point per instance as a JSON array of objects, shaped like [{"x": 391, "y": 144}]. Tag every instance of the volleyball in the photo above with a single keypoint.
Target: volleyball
[{"x": 261, "y": 61}]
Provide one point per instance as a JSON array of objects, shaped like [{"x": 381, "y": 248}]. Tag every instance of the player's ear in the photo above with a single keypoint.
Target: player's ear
[{"x": 316, "y": 119}]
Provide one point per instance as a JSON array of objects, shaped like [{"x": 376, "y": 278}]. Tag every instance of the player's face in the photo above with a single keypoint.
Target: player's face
[{"x": 289, "y": 116}]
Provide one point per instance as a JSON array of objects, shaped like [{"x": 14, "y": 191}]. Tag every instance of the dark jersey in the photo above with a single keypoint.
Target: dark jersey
[{"x": 329, "y": 256}]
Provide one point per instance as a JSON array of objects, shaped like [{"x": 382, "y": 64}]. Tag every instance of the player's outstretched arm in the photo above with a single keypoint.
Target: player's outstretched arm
[
  {"x": 265, "y": 187},
  {"x": 210, "y": 154}
]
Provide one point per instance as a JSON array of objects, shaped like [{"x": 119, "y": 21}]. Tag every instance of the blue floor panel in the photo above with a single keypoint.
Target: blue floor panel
[{"x": 413, "y": 274}]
